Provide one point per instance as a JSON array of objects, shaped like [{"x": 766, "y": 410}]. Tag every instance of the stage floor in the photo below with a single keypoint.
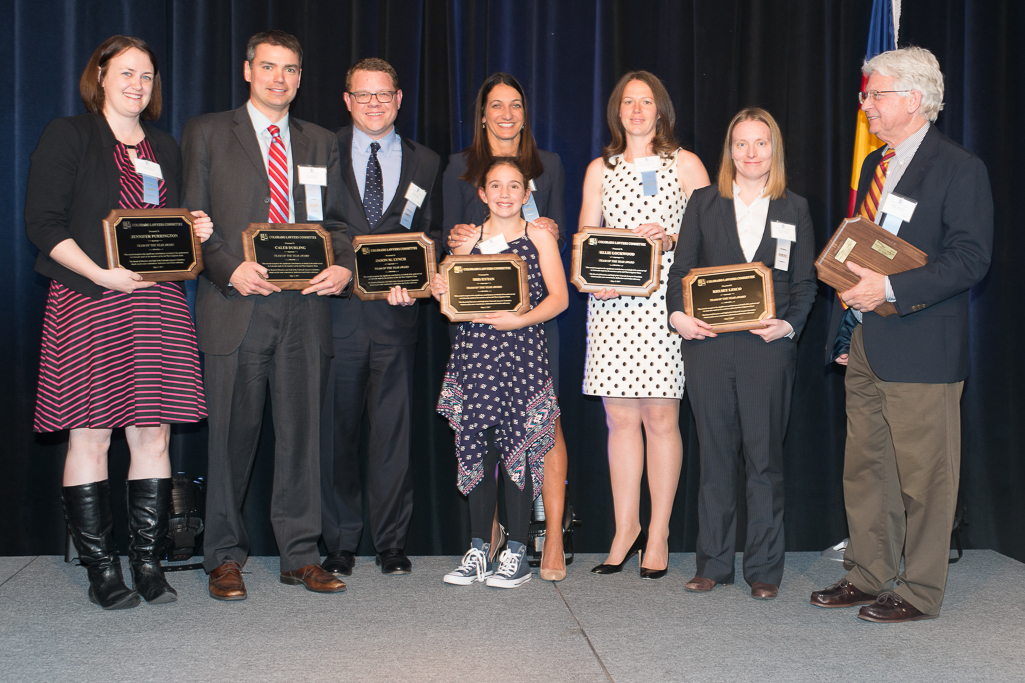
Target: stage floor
[{"x": 586, "y": 628}]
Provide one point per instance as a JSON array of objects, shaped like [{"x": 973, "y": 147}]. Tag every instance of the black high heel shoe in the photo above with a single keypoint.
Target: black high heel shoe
[
  {"x": 636, "y": 549},
  {"x": 652, "y": 574}
]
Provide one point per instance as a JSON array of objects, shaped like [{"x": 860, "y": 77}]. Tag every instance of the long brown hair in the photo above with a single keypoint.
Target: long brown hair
[
  {"x": 92, "y": 76},
  {"x": 664, "y": 143},
  {"x": 479, "y": 156},
  {"x": 776, "y": 185}
]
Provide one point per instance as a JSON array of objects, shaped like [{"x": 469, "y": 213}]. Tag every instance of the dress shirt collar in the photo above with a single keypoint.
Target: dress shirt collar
[
  {"x": 361, "y": 142},
  {"x": 260, "y": 123},
  {"x": 905, "y": 151},
  {"x": 762, "y": 197}
]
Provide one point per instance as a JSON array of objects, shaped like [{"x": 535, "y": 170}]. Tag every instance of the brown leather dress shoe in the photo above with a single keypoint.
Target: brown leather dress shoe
[
  {"x": 226, "y": 582},
  {"x": 700, "y": 584},
  {"x": 890, "y": 608},
  {"x": 763, "y": 591},
  {"x": 314, "y": 578},
  {"x": 843, "y": 593}
]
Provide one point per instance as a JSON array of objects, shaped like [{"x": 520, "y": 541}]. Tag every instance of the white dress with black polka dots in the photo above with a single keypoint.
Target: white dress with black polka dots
[{"x": 631, "y": 350}]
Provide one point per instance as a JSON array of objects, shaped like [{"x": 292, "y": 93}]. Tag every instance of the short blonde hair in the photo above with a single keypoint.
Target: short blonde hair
[
  {"x": 777, "y": 184},
  {"x": 912, "y": 68}
]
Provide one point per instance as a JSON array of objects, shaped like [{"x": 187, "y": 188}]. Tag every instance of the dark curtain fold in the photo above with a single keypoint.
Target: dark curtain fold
[{"x": 800, "y": 60}]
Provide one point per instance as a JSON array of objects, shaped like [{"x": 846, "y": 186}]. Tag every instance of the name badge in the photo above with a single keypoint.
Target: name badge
[
  {"x": 783, "y": 254},
  {"x": 901, "y": 207},
  {"x": 407, "y": 214},
  {"x": 784, "y": 231},
  {"x": 495, "y": 245},
  {"x": 313, "y": 175},
  {"x": 150, "y": 168},
  {"x": 314, "y": 205},
  {"x": 530, "y": 212},
  {"x": 416, "y": 194},
  {"x": 648, "y": 168}
]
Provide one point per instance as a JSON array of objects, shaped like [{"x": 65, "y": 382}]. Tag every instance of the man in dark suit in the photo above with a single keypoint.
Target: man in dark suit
[
  {"x": 257, "y": 165},
  {"x": 393, "y": 188},
  {"x": 905, "y": 372}
]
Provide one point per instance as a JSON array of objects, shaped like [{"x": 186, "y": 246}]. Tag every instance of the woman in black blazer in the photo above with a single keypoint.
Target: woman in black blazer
[
  {"x": 740, "y": 383},
  {"x": 504, "y": 131},
  {"x": 117, "y": 351}
]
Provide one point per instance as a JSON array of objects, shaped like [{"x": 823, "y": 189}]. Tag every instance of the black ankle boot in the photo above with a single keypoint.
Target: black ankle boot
[
  {"x": 87, "y": 510},
  {"x": 149, "y": 502}
]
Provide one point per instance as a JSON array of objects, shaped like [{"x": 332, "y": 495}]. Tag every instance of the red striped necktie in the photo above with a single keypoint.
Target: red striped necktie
[
  {"x": 870, "y": 205},
  {"x": 277, "y": 170}
]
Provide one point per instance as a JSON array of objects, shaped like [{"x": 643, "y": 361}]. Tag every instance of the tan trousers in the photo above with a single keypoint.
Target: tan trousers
[{"x": 900, "y": 481}]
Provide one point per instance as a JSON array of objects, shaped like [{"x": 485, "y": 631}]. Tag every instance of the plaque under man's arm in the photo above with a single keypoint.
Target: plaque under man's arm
[
  {"x": 611, "y": 258},
  {"x": 292, "y": 253},
  {"x": 861, "y": 241},
  {"x": 161, "y": 245}
]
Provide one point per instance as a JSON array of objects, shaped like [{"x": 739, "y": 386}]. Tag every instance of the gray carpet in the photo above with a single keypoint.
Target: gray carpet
[{"x": 587, "y": 628}]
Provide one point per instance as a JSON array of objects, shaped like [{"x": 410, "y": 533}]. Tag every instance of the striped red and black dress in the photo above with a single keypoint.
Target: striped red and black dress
[{"x": 125, "y": 359}]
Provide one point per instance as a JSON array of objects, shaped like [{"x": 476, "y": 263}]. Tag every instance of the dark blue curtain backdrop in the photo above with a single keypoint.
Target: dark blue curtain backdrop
[{"x": 800, "y": 60}]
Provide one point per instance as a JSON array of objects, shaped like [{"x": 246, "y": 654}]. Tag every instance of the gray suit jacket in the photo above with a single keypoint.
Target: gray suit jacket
[{"x": 225, "y": 175}]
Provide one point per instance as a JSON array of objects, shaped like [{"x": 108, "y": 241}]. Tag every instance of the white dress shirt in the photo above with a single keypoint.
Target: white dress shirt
[{"x": 750, "y": 221}]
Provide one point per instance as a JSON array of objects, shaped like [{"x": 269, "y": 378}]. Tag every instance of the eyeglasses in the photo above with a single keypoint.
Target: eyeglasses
[
  {"x": 384, "y": 97},
  {"x": 875, "y": 94}
]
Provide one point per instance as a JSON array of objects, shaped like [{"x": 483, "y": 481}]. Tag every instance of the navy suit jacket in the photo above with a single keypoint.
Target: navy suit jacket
[
  {"x": 927, "y": 341},
  {"x": 708, "y": 237},
  {"x": 388, "y": 324}
]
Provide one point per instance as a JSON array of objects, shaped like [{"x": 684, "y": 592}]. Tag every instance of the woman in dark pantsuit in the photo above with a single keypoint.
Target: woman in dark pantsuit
[
  {"x": 503, "y": 130},
  {"x": 740, "y": 383},
  {"x": 117, "y": 351}
]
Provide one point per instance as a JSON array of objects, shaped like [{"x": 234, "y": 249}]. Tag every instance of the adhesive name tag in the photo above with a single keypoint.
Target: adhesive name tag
[
  {"x": 495, "y": 245},
  {"x": 314, "y": 205},
  {"x": 150, "y": 168},
  {"x": 530, "y": 212},
  {"x": 416, "y": 194},
  {"x": 313, "y": 175},
  {"x": 784, "y": 231},
  {"x": 407, "y": 214},
  {"x": 783, "y": 254},
  {"x": 901, "y": 207}
]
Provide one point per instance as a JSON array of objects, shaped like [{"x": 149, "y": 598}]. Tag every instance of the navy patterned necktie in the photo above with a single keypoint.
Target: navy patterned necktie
[{"x": 373, "y": 189}]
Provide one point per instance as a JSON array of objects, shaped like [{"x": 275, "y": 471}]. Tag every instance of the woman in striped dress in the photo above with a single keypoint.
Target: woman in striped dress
[{"x": 116, "y": 351}]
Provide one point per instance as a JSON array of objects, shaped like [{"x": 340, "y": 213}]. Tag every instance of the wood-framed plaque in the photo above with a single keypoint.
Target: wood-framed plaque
[
  {"x": 484, "y": 283},
  {"x": 612, "y": 258},
  {"x": 861, "y": 241},
  {"x": 730, "y": 298},
  {"x": 399, "y": 259},
  {"x": 158, "y": 244},
  {"x": 292, "y": 253}
]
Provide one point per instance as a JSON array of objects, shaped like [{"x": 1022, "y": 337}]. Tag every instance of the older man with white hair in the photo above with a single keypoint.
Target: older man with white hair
[{"x": 905, "y": 372}]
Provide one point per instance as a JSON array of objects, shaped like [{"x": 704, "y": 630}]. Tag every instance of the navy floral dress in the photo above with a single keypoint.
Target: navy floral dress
[{"x": 501, "y": 379}]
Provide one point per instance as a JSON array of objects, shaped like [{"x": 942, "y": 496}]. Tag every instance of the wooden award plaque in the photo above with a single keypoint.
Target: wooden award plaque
[
  {"x": 612, "y": 258},
  {"x": 730, "y": 298},
  {"x": 484, "y": 283},
  {"x": 292, "y": 253},
  {"x": 398, "y": 259},
  {"x": 159, "y": 244},
  {"x": 863, "y": 242}
]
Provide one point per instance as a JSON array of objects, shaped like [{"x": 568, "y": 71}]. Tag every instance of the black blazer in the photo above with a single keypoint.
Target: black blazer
[
  {"x": 388, "y": 324},
  {"x": 463, "y": 204},
  {"x": 708, "y": 237},
  {"x": 74, "y": 182},
  {"x": 225, "y": 176},
  {"x": 927, "y": 341}
]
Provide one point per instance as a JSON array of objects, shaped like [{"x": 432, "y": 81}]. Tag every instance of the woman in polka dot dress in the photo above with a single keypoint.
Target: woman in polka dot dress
[{"x": 633, "y": 357}]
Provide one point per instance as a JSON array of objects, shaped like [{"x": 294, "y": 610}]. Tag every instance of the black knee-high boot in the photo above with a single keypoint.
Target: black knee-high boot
[
  {"x": 87, "y": 510},
  {"x": 149, "y": 504}
]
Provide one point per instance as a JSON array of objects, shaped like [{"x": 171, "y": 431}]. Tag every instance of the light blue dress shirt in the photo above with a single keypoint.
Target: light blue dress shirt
[
  {"x": 260, "y": 123},
  {"x": 389, "y": 156}
]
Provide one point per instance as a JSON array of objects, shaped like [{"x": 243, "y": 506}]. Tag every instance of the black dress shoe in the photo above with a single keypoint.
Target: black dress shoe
[
  {"x": 339, "y": 562},
  {"x": 636, "y": 549},
  {"x": 653, "y": 574},
  {"x": 394, "y": 561}
]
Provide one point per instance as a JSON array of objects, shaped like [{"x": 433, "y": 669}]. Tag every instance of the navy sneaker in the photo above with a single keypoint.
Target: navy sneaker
[
  {"x": 474, "y": 566},
  {"x": 513, "y": 569}
]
